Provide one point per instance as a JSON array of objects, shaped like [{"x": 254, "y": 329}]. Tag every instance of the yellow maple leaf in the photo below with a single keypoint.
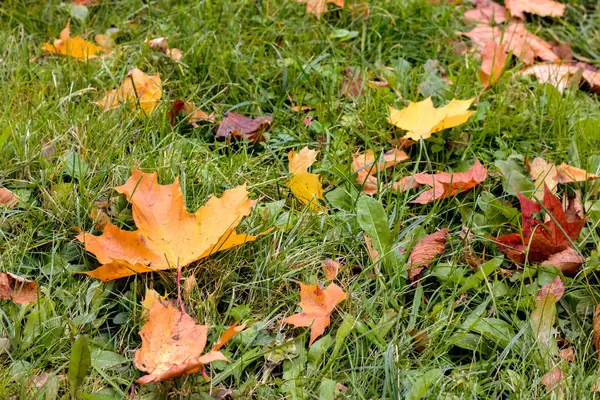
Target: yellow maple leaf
[
  {"x": 305, "y": 186},
  {"x": 75, "y": 47},
  {"x": 168, "y": 236},
  {"x": 137, "y": 86},
  {"x": 421, "y": 119}
]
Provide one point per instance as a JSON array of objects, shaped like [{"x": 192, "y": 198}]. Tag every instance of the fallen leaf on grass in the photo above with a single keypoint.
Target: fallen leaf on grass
[
  {"x": 136, "y": 88},
  {"x": 561, "y": 75},
  {"x": 487, "y": 11},
  {"x": 194, "y": 116},
  {"x": 568, "y": 261},
  {"x": 366, "y": 168},
  {"x": 421, "y": 119},
  {"x": 319, "y": 7},
  {"x": 150, "y": 297},
  {"x": 543, "y": 318},
  {"x": 168, "y": 236},
  {"x": 420, "y": 340},
  {"x": 446, "y": 184},
  {"x": 317, "y": 305},
  {"x": 239, "y": 126},
  {"x": 548, "y": 174},
  {"x": 305, "y": 186},
  {"x": 189, "y": 284},
  {"x": 423, "y": 254},
  {"x": 543, "y": 8},
  {"x": 596, "y": 330},
  {"x": 515, "y": 39},
  {"x": 330, "y": 269},
  {"x": 227, "y": 335},
  {"x": 352, "y": 83},
  {"x": 8, "y": 198},
  {"x": 493, "y": 59},
  {"x": 172, "y": 345},
  {"x": 553, "y": 379},
  {"x": 17, "y": 289},
  {"x": 541, "y": 240},
  {"x": 74, "y": 47},
  {"x": 160, "y": 44}
]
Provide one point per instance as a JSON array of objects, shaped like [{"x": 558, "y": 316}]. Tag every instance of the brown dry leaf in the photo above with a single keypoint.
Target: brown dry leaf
[
  {"x": 73, "y": 47},
  {"x": 515, "y": 39},
  {"x": 563, "y": 51},
  {"x": 305, "y": 186},
  {"x": 423, "y": 254},
  {"x": 160, "y": 44},
  {"x": 568, "y": 354},
  {"x": 189, "y": 284},
  {"x": 239, "y": 126},
  {"x": 366, "y": 168},
  {"x": 561, "y": 75},
  {"x": 168, "y": 236},
  {"x": 18, "y": 289},
  {"x": 553, "y": 379},
  {"x": 546, "y": 173},
  {"x": 405, "y": 183},
  {"x": 568, "y": 261},
  {"x": 228, "y": 335},
  {"x": 40, "y": 379},
  {"x": 487, "y": 11},
  {"x": 493, "y": 59},
  {"x": 420, "y": 339},
  {"x": 352, "y": 83},
  {"x": 194, "y": 115},
  {"x": 8, "y": 198},
  {"x": 100, "y": 218},
  {"x": 543, "y": 8},
  {"x": 317, "y": 305},
  {"x": 373, "y": 254},
  {"x": 330, "y": 269},
  {"x": 136, "y": 87},
  {"x": 319, "y": 7},
  {"x": 172, "y": 345},
  {"x": 446, "y": 184}
]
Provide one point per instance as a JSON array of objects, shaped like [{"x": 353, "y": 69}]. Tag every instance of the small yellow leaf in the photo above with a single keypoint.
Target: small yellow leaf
[
  {"x": 305, "y": 186},
  {"x": 421, "y": 119},
  {"x": 74, "y": 47},
  {"x": 136, "y": 86}
]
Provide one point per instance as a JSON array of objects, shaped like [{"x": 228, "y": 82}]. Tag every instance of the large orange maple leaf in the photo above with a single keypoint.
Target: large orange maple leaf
[{"x": 168, "y": 236}]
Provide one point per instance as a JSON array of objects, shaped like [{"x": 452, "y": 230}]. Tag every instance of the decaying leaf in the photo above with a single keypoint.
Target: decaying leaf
[
  {"x": 543, "y": 8},
  {"x": 73, "y": 47},
  {"x": 446, "y": 184},
  {"x": 330, "y": 269},
  {"x": 366, "y": 167},
  {"x": 352, "y": 83},
  {"x": 319, "y": 7},
  {"x": 239, "y": 126},
  {"x": 486, "y": 11},
  {"x": 373, "y": 253},
  {"x": 561, "y": 75},
  {"x": 7, "y": 198},
  {"x": 421, "y": 119},
  {"x": 189, "y": 284},
  {"x": 168, "y": 236},
  {"x": 515, "y": 38},
  {"x": 423, "y": 254},
  {"x": 17, "y": 289},
  {"x": 317, "y": 305},
  {"x": 493, "y": 59},
  {"x": 568, "y": 261},
  {"x": 160, "y": 44},
  {"x": 172, "y": 345},
  {"x": 305, "y": 186},
  {"x": 193, "y": 115},
  {"x": 137, "y": 87},
  {"x": 552, "y": 379},
  {"x": 546, "y": 173},
  {"x": 540, "y": 240},
  {"x": 543, "y": 318}
]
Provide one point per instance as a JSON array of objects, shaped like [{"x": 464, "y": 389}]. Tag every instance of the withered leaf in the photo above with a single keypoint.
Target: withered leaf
[
  {"x": 137, "y": 87},
  {"x": 543, "y": 8},
  {"x": 8, "y": 198},
  {"x": 17, "y": 289},
  {"x": 239, "y": 126},
  {"x": 73, "y": 47},
  {"x": 319, "y": 7},
  {"x": 330, "y": 269},
  {"x": 194, "y": 115},
  {"x": 486, "y": 11},
  {"x": 423, "y": 254},
  {"x": 561, "y": 75},
  {"x": 493, "y": 59},
  {"x": 366, "y": 167}
]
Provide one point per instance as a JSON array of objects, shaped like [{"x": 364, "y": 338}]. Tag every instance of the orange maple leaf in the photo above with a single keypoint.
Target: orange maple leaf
[
  {"x": 137, "y": 87},
  {"x": 318, "y": 7},
  {"x": 168, "y": 236},
  {"x": 366, "y": 168},
  {"x": 543, "y": 8},
  {"x": 74, "y": 47},
  {"x": 172, "y": 344},
  {"x": 317, "y": 305}
]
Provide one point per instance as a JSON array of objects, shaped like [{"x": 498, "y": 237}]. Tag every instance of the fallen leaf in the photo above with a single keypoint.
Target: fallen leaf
[
  {"x": 352, "y": 83},
  {"x": 8, "y": 198},
  {"x": 366, "y": 168},
  {"x": 421, "y": 119},
  {"x": 100, "y": 218},
  {"x": 423, "y": 254},
  {"x": 168, "y": 236},
  {"x": 330, "y": 269},
  {"x": 239, "y": 126},
  {"x": 515, "y": 39},
  {"x": 563, "y": 51},
  {"x": 552, "y": 379},
  {"x": 487, "y": 11},
  {"x": 540, "y": 240},
  {"x": 319, "y": 7},
  {"x": 160, "y": 44},
  {"x": 568, "y": 354},
  {"x": 420, "y": 339},
  {"x": 172, "y": 345},
  {"x": 543, "y": 8},
  {"x": 317, "y": 305},
  {"x": 189, "y": 284},
  {"x": 150, "y": 297},
  {"x": 73, "y": 47},
  {"x": 561, "y": 75},
  {"x": 360, "y": 11},
  {"x": 568, "y": 261},
  {"x": 228, "y": 335},
  {"x": 136, "y": 88},
  {"x": 546, "y": 173},
  {"x": 373, "y": 254},
  {"x": 193, "y": 115},
  {"x": 446, "y": 184},
  {"x": 556, "y": 288},
  {"x": 40, "y": 379},
  {"x": 305, "y": 186},
  {"x": 493, "y": 59},
  {"x": 405, "y": 183},
  {"x": 17, "y": 289},
  {"x": 543, "y": 318}
]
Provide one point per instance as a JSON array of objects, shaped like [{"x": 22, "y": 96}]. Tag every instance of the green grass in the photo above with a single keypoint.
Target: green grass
[{"x": 250, "y": 56}]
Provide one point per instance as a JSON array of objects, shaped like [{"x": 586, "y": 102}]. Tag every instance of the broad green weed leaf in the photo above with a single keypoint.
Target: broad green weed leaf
[
  {"x": 327, "y": 389},
  {"x": 79, "y": 364}
]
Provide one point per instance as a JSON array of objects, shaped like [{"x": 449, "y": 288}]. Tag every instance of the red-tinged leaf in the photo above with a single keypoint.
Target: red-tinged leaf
[
  {"x": 239, "y": 126},
  {"x": 487, "y": 11},
  {"x": 568, "y": 261},
  {"x": 425, "y": 252},
  {"x": 555, "y": 288},
  {"x": 543, "y": 318},
  {"x": 330, "y": 269},
  {"x": 17, "y": 288},
  {"x": 352, "y": 83},
  {"x": 553, "y": 379}
]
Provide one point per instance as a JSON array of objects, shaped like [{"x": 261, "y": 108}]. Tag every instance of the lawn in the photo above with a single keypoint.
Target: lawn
[{"x": 462, "y": 329}]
